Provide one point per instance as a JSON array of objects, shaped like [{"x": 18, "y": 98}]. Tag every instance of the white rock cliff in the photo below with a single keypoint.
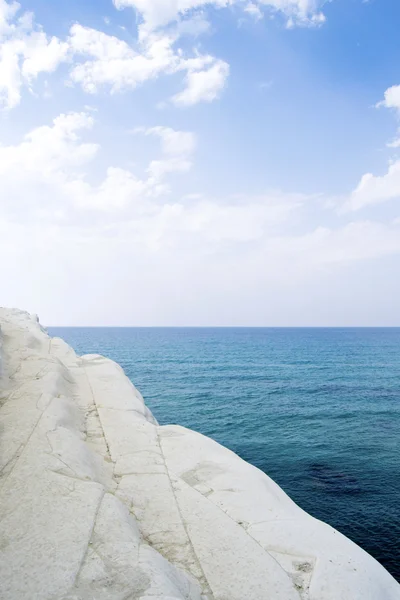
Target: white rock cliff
[{"x": 98, "y": 502}]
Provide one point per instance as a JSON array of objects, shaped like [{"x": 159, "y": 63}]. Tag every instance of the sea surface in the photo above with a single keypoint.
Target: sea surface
[{"x": 317, "y": 409}]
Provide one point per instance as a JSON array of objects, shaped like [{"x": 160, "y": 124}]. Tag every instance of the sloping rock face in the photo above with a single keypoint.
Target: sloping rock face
[{"x": 98, "y": 502}]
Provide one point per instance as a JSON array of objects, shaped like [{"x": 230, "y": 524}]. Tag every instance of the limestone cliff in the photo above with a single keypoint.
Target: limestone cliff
[{"x": 98, "y": 502}]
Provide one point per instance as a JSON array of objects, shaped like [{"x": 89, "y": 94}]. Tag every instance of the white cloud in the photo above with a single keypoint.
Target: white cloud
[
  {"x": 50, "y": 149},
  {"x": 42, "y": 54},
  {"x": 35, "y": 174},
  {"x": 394, "y": 143},
  {"x": 203, "y": 86},
  {"x": 118, "y": 191},
  {"x": 177, "y": 148},
  {"x": 159, "y": 13},
  {"x": 44, "y": 176},
  {"x": 99, "y": 60},
  {"x": 25, "y": 52},
  {"x": 51, "y": 162},
  {"x": 253, "y": 10},
  {"x": 173, "y": 142},
  {"x": 195, "y": 26},
  {"x": 8, "y": 11},
  {"x": 115, "y": 64},
  {"x": 10, "y": 77},
  {"x": 237, "y": 220},
  {"x": 391, "y": 98},
  {"x": 375, "y": 189},
  {"x": 98, "y": 45},
  {"x": 314, "y": 20},
  {"x": 64, "y": 226},
  {"x": 157, "y": 169},
  {"x": 298, "y": 12}
]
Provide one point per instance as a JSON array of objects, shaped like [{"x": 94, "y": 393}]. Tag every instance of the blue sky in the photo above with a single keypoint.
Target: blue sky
[{"x": 193, "y": 163}]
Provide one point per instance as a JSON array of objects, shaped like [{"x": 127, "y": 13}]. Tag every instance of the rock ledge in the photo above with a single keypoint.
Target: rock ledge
[{"x": 98, "y": 502}]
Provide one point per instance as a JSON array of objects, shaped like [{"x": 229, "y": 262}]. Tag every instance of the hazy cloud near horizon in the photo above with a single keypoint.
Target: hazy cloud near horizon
[{"x": 149, "y": 177}]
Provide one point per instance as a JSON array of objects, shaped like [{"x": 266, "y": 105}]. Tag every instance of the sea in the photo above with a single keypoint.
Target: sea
[{"x": 318, "y": 410}]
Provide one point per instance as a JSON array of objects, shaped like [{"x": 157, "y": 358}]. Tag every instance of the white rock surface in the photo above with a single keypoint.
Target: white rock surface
[{"x": 97, "y": 502}]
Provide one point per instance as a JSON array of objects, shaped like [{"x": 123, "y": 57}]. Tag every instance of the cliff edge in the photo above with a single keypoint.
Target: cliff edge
[{"x": 98, "y": 502}]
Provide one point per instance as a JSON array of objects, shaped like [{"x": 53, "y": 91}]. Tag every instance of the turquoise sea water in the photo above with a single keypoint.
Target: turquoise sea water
[{"x": 316, "y": 409}]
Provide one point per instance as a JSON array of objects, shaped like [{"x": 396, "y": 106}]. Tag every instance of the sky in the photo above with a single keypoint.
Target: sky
[{"x": 200, "y": 163}]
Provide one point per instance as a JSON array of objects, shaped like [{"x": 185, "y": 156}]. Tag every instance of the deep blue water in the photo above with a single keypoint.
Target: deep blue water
[{"x": 316, "y": 409}]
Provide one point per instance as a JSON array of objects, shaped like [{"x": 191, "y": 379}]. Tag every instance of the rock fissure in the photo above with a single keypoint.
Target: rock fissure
[
  {"x": 208, "y": 589},
  {"x": 82, "y": 562},
  {"x": 96, "y": 410}
]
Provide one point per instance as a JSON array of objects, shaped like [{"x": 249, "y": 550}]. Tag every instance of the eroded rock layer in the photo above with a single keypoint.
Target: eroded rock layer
[{"x": 98, "y": 502}]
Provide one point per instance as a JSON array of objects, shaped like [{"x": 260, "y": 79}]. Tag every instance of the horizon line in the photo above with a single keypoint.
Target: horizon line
[{"x": 224, "y": 326}]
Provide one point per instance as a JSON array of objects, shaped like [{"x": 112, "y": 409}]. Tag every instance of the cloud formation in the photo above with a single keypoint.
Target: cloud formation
[
  {"x": 25, "y": 52},
  {"x": 159, "y": 13},
  {"x": 105, "y": 62},
  {"x": 113, "y": 63},
  {"x": 392, "y": 100},
  {"x": 203, "y": 85},
  {"x": 51, "y": 160},
  {"x": 374, "y": 189},
  {"x": 131, "y": 232},
  {"x": 100, "y": 61},
  {"x": 377, "y": 189},
  {"x": 133, "y": 228}
]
